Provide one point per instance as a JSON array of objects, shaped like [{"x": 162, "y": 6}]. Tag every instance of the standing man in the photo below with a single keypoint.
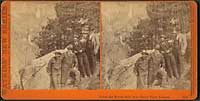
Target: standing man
[
  {"x": 69, "y": 62},
  {"x": 141, "y": 69},
  {"x": 166, "y": 50},
  {"x": 180, "y": 45},
  {"x": 157, "y": 68},
  {"x": 91, "y": 50},
  {"x": 54, "y": 71},
  {"x": 86, "y": 61},
  {"x": 79, "y": 50}
]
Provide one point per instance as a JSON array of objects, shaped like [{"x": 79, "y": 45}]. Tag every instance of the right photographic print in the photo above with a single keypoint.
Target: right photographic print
[{"x": 146, "y": 45}]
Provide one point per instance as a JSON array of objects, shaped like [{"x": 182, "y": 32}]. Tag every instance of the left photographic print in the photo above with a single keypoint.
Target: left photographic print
[{"x": 54, "y": 45}]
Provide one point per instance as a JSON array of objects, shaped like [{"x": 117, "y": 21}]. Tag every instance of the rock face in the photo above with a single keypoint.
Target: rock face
[
  {"x": 122, "y": 76},
  {"x": 35, "y": 76}
]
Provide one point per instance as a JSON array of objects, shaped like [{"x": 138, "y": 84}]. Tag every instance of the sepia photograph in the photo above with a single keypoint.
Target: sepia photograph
[
  {"x": 146, "y": 45},
  {"x": 55, "y": 45},
  {"x": 106, "y": 50}
]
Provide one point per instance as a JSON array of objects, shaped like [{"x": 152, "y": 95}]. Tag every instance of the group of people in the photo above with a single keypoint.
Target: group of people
[
  {"x": 165, "y": 62},
  {"x": 78, "y": 62}
]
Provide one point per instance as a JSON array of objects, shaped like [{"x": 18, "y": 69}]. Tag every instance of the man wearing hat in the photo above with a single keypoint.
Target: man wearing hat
[
  {"x": 166, "y": 50},
  {"x": 141, "y": 69},
  {"x": 91, "y": 50},
  {"x": 79, "y": 50},
  {"x": 84, "y": 41},
  {"x": 54, "y": 71},
  {"x": 69, "y": 62},
  {"x": 157, "y": 67},
  {"x": 180, "y": 45}
]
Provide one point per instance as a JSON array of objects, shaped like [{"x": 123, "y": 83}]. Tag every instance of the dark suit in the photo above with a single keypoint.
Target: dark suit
[
  {"x": 79, "y": 50},
  {"x": 91, "y": 55},
  {"x": 68, "y": 62},
  {"x": 156, "y": 62},
  {"x": 171, "y": 66}
]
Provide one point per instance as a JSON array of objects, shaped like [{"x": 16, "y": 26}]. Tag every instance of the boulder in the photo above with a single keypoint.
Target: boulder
[
  {"x": 34, "y": 76},
  {"x": 123, "y": 76}
]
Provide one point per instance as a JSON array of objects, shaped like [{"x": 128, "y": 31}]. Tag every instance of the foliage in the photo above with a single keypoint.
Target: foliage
[
  {"x": 58, "y": 33},
  {"x": 163, "y": 18}
]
